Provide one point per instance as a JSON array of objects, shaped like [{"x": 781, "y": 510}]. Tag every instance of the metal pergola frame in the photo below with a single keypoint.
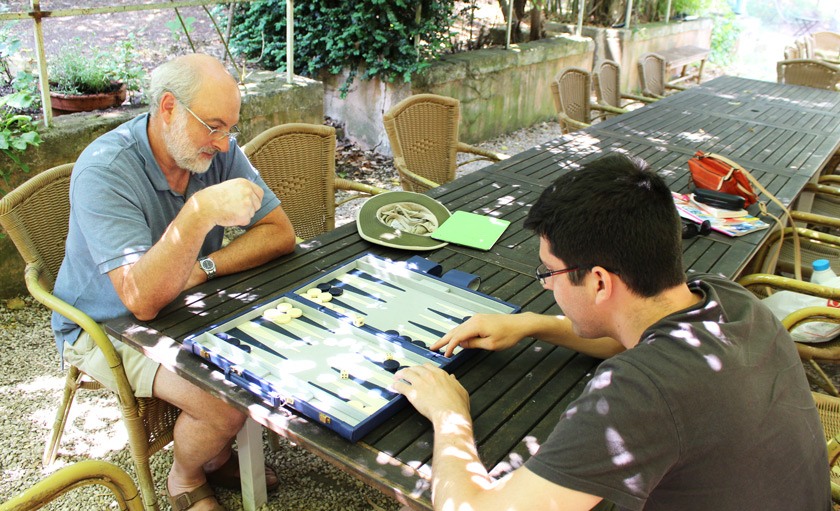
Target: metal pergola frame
[{"x": 37, "y": 15}]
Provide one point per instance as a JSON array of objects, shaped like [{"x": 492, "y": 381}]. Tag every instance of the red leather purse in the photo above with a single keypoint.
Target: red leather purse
[{"x": 715, "y": 172}]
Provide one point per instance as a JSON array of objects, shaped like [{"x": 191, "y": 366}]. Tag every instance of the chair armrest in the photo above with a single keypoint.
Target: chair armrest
[
  {"x": 420, "y": 181},
  {"x": 352, "y": 186},
  {"x": 607, "y": 108},
  {"x": 822, "y": 220},
  {"x": 759, "y": 260},
  {"x": 39, "y": 292},
  {"x": 825, "y": 186},
  {"x": 80, "y": 474},
  {"x": 636, "y": 97},
  {"x": 486, "y": 153},
  {"x": 809, "y": 314},
  {"x": 788, "y": 284},
  {"x": 828, "y": 179},
  {"x": 564, "y": 119}
]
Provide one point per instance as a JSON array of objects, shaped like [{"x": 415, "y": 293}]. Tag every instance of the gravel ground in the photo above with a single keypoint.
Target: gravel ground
[{"x": 31, "y": 383}]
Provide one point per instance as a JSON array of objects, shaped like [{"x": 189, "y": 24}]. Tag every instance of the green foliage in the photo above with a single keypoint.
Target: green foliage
[
  {"x": 176, "y": 29},
  {"x": 126, "y": 64},
  {"x": 724, "y": 38},
  {"x": 689, "y": 7},
  {"x": 75, "y": 72},
  {"x": 9, "y": 45},
  {"x": 16, "y": 130},
  {"x": 371, "y": 38}
]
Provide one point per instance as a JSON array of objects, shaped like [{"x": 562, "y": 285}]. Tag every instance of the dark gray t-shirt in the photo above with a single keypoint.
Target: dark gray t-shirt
[
  {"x": 120, "y": 206},
  {"x": 710, "y": 411}
]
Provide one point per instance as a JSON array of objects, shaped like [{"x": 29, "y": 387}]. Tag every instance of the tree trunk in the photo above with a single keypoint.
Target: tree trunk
[{"x": 537, "y": 24}]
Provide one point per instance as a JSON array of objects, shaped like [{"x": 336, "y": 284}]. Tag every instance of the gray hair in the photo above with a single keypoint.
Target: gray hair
[{"x": 181, "y": 80}]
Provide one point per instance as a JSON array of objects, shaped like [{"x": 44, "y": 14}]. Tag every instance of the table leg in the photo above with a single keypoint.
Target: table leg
[{"x": 251, "y": 465}]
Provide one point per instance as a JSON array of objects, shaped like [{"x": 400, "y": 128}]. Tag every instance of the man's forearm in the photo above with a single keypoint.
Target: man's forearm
[
  {"x": 160, "y": 275},
  {"x": 458, "y": 476},
  {"x": 258, "y": 245},
  {"x": 558, "y": 330}
]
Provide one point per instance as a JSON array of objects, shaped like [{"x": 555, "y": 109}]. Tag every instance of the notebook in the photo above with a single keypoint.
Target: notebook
[{"x": 471, "y": 230}]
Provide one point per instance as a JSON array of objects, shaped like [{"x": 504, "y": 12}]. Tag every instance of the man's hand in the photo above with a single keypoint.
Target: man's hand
[
  {"x": 434, "y": 393},
  {"x": 487, "y": 331},
  {"x": 229, "y": 203}
]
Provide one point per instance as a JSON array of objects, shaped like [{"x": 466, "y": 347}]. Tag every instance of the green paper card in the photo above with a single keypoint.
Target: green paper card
[{"x": 471, "y": 230}]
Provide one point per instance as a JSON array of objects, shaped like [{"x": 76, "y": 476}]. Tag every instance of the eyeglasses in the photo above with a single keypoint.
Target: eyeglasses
[
  {"x": 215, "y": 133},
  {"x": 542, "y": 273}
]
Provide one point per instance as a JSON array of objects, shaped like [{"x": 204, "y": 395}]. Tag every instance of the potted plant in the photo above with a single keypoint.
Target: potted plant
[{"x": 81, "y": 83}]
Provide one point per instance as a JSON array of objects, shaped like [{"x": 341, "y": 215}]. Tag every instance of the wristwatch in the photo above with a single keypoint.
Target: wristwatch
[{"x": 209, "y": 267}]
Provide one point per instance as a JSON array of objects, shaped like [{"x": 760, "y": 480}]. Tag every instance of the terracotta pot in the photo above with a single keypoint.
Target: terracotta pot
[{"x": 68, "y": 103}]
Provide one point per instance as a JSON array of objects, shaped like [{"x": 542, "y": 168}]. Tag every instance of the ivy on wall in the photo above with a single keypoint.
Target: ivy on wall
[{"x": 388, "y": 39}]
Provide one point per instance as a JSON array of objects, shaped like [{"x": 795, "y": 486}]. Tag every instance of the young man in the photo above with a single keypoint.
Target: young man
[
  {"x": 149, "y": 204},
  {"x": 702, "y": 404}
]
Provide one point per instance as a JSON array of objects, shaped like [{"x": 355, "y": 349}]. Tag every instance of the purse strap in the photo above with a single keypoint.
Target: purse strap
[{"x": 762, "y": 207}]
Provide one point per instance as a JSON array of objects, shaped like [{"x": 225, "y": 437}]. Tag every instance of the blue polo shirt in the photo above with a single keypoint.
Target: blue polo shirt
[{"x": 120, "y": 206}]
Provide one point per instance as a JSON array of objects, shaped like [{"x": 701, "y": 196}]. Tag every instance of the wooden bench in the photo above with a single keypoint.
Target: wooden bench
[{"x": 681, "y": 58}]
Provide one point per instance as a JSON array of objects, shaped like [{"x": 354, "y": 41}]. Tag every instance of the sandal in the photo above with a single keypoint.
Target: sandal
[
  {"x": 186, "y": 500},
  {"x": 227, "y": 476}
]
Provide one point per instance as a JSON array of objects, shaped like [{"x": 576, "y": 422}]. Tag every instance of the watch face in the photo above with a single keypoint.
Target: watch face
[{"x": 208, "y": 266}]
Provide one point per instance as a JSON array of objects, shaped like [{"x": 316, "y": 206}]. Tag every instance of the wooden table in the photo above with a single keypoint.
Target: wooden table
[
  {"x": 517, "y": 395},
  {"x": 680, "y": 58}
]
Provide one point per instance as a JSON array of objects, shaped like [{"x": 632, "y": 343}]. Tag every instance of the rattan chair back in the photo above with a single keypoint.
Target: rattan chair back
[
  {"x": 805, "y": 45},
  {"x": 826, "y": 41},
  {"x": 571, "y": 90},
  {"x": 791, "y": 52},
  {"x": 297, "y": 161},
  {"x": 36, "y": 217},
  {"x": 423, "y": 132},
  {"x": 827, "y": 45},
  {"x": 808, "y": 72},
  {"x": 607, "y": 81},
  {"x": 652, "y": 74},
  {"x": 829, "y": 409}
]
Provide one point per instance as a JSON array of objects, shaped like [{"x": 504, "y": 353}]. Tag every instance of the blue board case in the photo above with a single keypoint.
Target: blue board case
[{"x": 328, "y": 349}]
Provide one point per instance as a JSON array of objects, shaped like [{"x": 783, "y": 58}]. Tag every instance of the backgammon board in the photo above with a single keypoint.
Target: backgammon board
[{"x": 329, "y": 348}]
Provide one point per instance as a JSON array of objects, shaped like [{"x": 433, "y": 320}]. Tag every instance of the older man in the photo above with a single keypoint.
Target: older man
[
  {"x": 701, "y": 404},
  {"x": 149, "y": 204}
]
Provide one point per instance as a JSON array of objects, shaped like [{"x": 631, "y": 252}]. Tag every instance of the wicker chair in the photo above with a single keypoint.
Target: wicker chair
[
  {"x": 829, "y": 409},
  {"x": 423, "y": 132},
  {"x": 827, "y": 46},
  {"x": 791, "y": 52},
  {"x": 652, "y": 74},
  {"x": 762, "y": 284},
  {"x": 36, "y": 217},
  {"x": 297, "y": 161},
  {"x": 808, "y": 72},
  {"x": 75, "y": 476},
  {"x": 805, "y": 45},
  {"x": 814, "y": 244},
  {"x": 571, "y": 90},
  {"x": 607, "y": 82}
]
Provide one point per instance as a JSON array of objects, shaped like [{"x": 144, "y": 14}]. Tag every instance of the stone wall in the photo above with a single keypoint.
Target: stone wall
[
  {"x": 500, "y": 90},
  {"x": 267, "y": 100},
  {"x": 625, "y": 46}
]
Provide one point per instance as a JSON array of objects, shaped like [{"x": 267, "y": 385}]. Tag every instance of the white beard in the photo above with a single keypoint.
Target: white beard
[{"x": 182, "y": 150}]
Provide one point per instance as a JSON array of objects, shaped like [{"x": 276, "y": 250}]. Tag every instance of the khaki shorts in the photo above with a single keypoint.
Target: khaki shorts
[{"x": 139, "y": 368}]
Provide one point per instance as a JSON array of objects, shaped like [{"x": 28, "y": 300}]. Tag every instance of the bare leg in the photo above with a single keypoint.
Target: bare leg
[{"x": 203, "y": 432}]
